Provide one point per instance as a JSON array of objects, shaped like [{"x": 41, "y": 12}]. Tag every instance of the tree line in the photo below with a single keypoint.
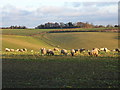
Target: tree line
[
  {"x": 50, "y": 25},
  {"x": 56, "y": 25},
  {"x": 15, "y": 27}
]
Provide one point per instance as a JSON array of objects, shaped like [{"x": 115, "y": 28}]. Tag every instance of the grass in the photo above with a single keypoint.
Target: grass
[
  {"x": 16, "y": 41},
  {"x": 86, "y": 40},
  {"x": 31, "y": 70},
  {"x": 37, "y": 31},
  {"x": 36, "y": 71},
  {"x": 34, "y": 39}
]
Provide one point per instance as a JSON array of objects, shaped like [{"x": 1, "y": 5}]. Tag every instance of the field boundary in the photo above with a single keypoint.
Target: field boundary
[{"x": 62, "y": 31}]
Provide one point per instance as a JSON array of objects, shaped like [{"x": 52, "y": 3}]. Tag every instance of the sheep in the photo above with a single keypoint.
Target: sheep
[
  {"x": 106, "y": 50},
  {"x": 94, "y": 52},
  {"x": 12, "y": 50},
  {"x": 7, "y": 49},
  {"x": 56, "y": 49},
  {"x": 101, "y": 49},
  {"x": 76, "y": 50},
  {"x": 24, "y": 49},
  {"x": 21, "y": 50},
  {"x": 51, "y": 53},
  {"x": 48, "y": 51},
  {"x": 64, "y": 51},
  {"x": 81, "y": 50},
  {"x": 17, "y": 50},
  {"x": 117, "y": 49},
  {"x": 113, "y": 50},
  {"x": 72, "y": 52},
  {"x": 43, "y": 51},
  {"x": 31, "y": 51}
]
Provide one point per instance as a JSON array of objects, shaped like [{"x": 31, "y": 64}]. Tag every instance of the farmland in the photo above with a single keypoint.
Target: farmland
[
  {"x": 31, "y": 70},
  {"x": 35, "y": 71},
  {"x": 39, "y": 38}
]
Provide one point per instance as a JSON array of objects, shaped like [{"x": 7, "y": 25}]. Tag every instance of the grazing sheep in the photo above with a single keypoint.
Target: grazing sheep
[
  {"x": 48, "y": 51},
  {"x": 102, "y": 49},
  {"x": 72, "y": 52},
  {"x": 117, "y": 49},
  {"x": 106, "y": 50},
  {"x": 56, "y": 49},
  {"x": 81, "y": 50},
  {"x": 51, "y": 53},
  {"x": 76, "y": 50},
  {"x": 64, "y": 51},
  {"x": 24, "y": 49},
  {"x": 12, "y": 50},
  {"x": 17, "y": 50},
  {"x": 21, "y": 50},
  {"x": 94, "y": 52},
  {"x": 113, "y": 50},
  {"x": 7, "y": 49},
  {"x": 43, "y": 51},
  {"x": 31, "y": 51}
]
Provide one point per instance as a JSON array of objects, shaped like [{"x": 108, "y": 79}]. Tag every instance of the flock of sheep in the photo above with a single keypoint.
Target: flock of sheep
[
  {"x": 44, "y": 51},
  {"x": 93, "y": 52},
  {"x": 17, "y": 50}
]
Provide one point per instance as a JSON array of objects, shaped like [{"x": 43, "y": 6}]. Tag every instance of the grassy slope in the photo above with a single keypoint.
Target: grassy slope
[
  {"x": 23, "y": 38},
  {"x": 15, "y": 41},
  {"x": 86, "y": 40}
]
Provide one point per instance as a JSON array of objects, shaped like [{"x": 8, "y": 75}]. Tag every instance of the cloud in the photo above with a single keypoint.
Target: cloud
[
  {"x": 87, "y": 4},
  {"x": 90, "y": 12}
]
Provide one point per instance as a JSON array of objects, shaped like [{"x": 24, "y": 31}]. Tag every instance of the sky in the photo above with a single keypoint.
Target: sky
[{"x": 31, "y": 13}]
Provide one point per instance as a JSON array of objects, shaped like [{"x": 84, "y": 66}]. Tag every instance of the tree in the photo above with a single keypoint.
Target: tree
[
  {"x": 116, "y": 26},
  {"x": 70, "y": 24}
]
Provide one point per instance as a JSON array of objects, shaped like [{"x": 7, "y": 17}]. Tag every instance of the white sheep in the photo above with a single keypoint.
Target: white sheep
[
  {"x": 117, "y": 49},
  {"x": 106, "y": 50},
  {"x": 31, "y": 51},
  {"x": 24, "y": 49},
  {"x": 7, "y": 49},
  {"x": 94, "y": 52},
  {"x": 64, "y": 51},
  {"x": 12, "y": 50},
  {"x": 48, "y": 51},
  {"x": 43, "y": 51},
  {"x": 17, "y": 50},
  {"x": 56, "y": 49},
  {"x": 102, "y": 49},
  {"x": 21, "y": 50},
  {"x": 72, "y": 52}
]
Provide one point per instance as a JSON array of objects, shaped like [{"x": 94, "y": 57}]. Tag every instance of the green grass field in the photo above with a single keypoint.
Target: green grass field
[
  {"x": 36, "y": 71},
  {"x": 86, "y": 40},
  {"x": 31, "y": 70},
  {"x": 34, "y": 39},
  {"x": 16, "y": 41}
]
